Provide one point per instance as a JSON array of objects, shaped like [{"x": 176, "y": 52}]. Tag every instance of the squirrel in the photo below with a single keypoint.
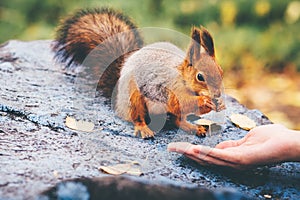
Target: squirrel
[{"x": 149, "y": 80}]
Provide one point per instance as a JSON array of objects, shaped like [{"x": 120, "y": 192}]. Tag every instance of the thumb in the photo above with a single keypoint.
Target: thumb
[
  {"x": 230, "y": 143},
  {"x": 226, "y": 144}
]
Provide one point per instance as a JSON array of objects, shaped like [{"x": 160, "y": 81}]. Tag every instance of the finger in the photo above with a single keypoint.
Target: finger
[
  {"x": 200, "y": 151},
  {"x": 179, "y": 147},
  {"x": 209, "y": 161},
  {"x": 209, "y": 154},
  {"x": 197, "y": 151},
  {"x": 205, "y": 155},
  {"x": 186, "y": 149},
  {"x": 233, "y": 155}
]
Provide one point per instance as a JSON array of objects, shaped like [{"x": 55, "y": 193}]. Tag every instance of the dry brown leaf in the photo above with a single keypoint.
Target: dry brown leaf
[
  {"x": 135, "y": 171},
  {"x": 128, "y": 168},
  {"x": 204, "y": 122},
  {"x": 116, "y": 169},
  {"x": 79, "y": 125},
  {"x": 242, "y": 121}
]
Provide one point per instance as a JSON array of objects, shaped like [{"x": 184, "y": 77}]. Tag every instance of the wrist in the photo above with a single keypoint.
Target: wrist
[{"x": 294, "y": 146}]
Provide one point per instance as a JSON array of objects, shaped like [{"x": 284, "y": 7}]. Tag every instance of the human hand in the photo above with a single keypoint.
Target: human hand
[{"x": 263, "y": 145}]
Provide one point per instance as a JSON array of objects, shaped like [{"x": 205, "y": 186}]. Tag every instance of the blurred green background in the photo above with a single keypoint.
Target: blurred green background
[{"x": 257, "y": 41}]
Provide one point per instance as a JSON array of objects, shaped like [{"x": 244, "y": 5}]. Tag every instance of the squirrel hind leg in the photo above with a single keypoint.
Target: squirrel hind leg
[
  {"x": 180, "y": 120},
  {"x": 191, "y": 128},
  {"x": 139, "y": 113}
]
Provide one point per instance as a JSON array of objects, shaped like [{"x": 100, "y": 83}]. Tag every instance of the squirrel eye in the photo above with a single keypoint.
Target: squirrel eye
[{"x": 200, "y": 77}]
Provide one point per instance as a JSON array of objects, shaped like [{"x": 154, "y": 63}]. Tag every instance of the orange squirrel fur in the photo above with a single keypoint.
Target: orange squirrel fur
[{"x": 149, "y": 80}]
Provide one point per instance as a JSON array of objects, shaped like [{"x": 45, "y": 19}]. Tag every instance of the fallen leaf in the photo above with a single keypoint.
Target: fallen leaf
[
  {"x": 71, "y": 123},
  {"x": 204, "y": 122},
  {"x": 267, "y": 196},
  {"x": 242, "y": 121},
  {"x": 128, "y": 168},
  {"x": 79, "y": 125},
  {"x": 116, "y": 170}
]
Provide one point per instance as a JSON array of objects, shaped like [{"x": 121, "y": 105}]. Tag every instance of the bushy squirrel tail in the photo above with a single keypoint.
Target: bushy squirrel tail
[{"x": 101, "y": 38}]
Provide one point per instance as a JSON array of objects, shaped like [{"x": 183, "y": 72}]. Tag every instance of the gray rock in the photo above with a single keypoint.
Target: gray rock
[{"x": 37, "y": 150}]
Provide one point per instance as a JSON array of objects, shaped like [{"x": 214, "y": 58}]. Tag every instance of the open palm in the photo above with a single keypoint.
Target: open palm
[{"x": 262, "y": 145}]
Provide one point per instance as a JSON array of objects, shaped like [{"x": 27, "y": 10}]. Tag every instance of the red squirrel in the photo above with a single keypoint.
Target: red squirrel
[{"x": 149, "y": 80}]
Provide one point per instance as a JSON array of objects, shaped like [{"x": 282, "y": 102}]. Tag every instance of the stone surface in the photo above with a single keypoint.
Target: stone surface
[
  {"x": 122, "y": 187},
  {"x": 37, "y": 150}
]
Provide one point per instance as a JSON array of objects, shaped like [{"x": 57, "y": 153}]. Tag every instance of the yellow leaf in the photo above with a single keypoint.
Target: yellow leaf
[
  {"x": 128, "y": 168},
  {"x": 79, "y": 125},
  {"x": 204, "y": 122},
  {"x": 242, "y": 121}
]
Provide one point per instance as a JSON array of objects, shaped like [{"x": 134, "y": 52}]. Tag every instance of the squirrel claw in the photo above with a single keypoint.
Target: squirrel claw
[
  {"x": 206, "y": 105},
  {"x": 144, "y": 131},
  {"x": 221, "y": 107},
  {"x": 211, "y": 106},
  {"x": 201, "y": 131}
]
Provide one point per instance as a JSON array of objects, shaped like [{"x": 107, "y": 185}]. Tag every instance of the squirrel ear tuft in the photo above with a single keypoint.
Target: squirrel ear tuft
[
  {"x": 195, "y": 46},
  {"x": 207, "y": 42}
]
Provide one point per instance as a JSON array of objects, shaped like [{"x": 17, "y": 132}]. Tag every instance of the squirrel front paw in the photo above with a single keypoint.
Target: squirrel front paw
[
  {"x": 144, "y": 130},
  {"x": 205, "y": 105}
]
